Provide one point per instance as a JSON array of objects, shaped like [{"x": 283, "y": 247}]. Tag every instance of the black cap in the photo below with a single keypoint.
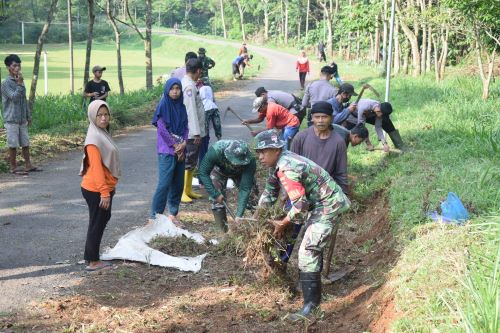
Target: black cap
[
  {"x": 202, "y": 50},
  {"x": 322, "y": 107},
  {"x": 386, "y": 108},
  {"x": 347, "y": 88},
  {"x": 260, "y": 91},
  {"x": 327, "y": 70}
]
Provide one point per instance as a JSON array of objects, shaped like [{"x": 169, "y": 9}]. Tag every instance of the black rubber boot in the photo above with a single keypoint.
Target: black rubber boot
[
  {"x": 397, "y": 141},
  {"x": 311, "y": 292},
  {"x": 220, "y": 218}
]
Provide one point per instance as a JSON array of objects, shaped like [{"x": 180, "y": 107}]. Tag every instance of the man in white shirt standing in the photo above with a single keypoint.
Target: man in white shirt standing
[{"x": 196, "y": 124}]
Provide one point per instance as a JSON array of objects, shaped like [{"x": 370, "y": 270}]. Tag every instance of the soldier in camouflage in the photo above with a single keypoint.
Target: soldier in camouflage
[
  {"x": 229, "y": 159},
  {"x": 316, "y": 199},
  {"x": 206, "y": 63}
]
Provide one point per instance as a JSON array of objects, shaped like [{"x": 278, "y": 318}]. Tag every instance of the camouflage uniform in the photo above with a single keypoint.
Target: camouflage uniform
[
  {"x": 230, "y": 159},
  {"x": 206, "y": 63},
  {"x": 314, "y": 196},
  {"x": 213, "y": 116}
]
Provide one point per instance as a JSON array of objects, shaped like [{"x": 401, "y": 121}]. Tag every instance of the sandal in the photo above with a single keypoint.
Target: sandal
[
  {"x": 18, "y": 172},
  {"x": 104, "y": 265},
  {"x": 34, "y": 169}
]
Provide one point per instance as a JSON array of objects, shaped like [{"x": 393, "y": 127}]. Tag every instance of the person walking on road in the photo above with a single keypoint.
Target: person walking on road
[
  {"x": 16, "y": 115},
  {"x": 319, "y": 90},
  {"x": 100, "y": 171},
  {"x": 316, "y": 202},
  {"x": 171, "y": 121},
  {"x": 196, "y": 124},
  {"x": 229, "y": 159},
  {"x": 302, "y": 66},
  {"x": 206, "y": 64},
  {"x": 276, "y": 117},
  {"x": 97, "y": 88}
]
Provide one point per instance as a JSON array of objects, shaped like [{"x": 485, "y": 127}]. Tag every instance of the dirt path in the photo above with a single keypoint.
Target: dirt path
[{"x": 43, "y": 217}]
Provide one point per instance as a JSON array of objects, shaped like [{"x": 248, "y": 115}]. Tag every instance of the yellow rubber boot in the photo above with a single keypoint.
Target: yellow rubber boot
[
  {"x": 188, "y": 186},
  {"x": 185, "y": 197}
]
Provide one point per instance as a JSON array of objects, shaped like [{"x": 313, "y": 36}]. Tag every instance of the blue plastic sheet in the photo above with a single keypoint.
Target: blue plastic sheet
[{"x": 452, "y": 210}]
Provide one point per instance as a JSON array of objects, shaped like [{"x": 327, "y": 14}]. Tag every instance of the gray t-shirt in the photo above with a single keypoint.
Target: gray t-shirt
[
  {"x": 280, "y": 97},
  {"x": 14, "y": 104},
  {"x": 364, "y": 110},
  {"x": 330, "y": 154},
  {"x": 317, "y": 91},
  {"x": 343, "y": 132}
]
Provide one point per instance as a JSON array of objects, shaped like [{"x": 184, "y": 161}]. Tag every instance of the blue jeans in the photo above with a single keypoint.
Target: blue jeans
[
  {"x": 170, "y": 185},
  {"x": 289, "y": 133}
]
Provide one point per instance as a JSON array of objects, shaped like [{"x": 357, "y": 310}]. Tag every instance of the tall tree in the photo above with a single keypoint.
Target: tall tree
[
  {"x": 112, "y": 19},
  {"x": 90, "y": 35},
  {"x": 38, "y": 52},
  {"x": 241, "y": 10},
  {"x": 222, "y": 18}
]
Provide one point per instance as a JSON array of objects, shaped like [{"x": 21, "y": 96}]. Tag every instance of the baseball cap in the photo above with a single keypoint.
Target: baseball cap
[
  {"x": 257, "y": 103},
  {"x": 268, "y": 139},
  {"x": 327, "y": 70},
  {"x": 260, "y": 91},
  {"x": 237, "y": 153},
  {"x": 347, "y": 88},
  {"x": 98, "y": 68}
]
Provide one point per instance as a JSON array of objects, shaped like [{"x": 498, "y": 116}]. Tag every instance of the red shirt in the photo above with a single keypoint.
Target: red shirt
[
  {"x": 303, "y": 68},
  {"x": 279, "y": 117}
]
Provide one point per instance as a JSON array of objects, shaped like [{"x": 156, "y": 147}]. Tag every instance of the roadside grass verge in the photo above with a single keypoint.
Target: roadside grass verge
[{"x": 441, "y": 278}]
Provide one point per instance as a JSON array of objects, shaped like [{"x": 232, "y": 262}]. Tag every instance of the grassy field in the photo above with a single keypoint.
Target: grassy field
[
  {"x": 60, "y": 116},
  {"x": 168, "y": 53}
]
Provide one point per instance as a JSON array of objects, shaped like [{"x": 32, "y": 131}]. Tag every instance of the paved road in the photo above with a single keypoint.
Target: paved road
[{"x": 43, "y": 217}]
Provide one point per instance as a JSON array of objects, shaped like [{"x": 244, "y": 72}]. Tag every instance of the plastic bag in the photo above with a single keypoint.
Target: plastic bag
[{"x": 452, "y": 210}]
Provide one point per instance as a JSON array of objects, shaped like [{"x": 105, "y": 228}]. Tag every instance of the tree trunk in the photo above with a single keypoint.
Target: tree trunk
[
  {"x": 405, "y": 61},
  {"x": 358, "y": 46},
  {"x": 429, "y": 50},
  {"x": 307, "y": 17},
  {"x": 384, "y": 37},
  {"x": 377, "y": 42},
  {"x": 423, "y": 53},
  {"x": 444, "y": 54},
  {"x": 90, "y": 34},
  {"x": 485, "y": 77},
  {"x": 111, "y": 18},
  {"x": 266, "y": 19},
  {"x": 70, "y": 42},
  {"x": 147, "y": 46},
  {"x": 328, "y": 20},
  {"x": 299, "y": 26},
  {"x": 242, "y": 22},
  {"x": 436, "y": 59},
  {"x": 415, "y": 53},
  {"x": 372, "y": 47},
  {"x": 397, "y": 49},
  {"x": 286, "y": 21},
  {"x": 222, "y": 18},
  {"x": 39, "y": 47}
]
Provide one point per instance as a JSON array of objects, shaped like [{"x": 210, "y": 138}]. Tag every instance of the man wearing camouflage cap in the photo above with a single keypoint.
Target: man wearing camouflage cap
[
  {"x": 228, "y": 159},
  {"x": 206, "y": 63},
  {"x": 315, "y": 198}
]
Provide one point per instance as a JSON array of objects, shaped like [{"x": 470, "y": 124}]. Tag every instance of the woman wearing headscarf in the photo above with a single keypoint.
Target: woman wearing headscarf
[
  {"x": 100, "y": 171},
  {"x": 171, "y": 121},
  {"x": 303, "y": 68}
]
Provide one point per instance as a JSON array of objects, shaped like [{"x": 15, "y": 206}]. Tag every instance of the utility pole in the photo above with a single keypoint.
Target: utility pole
[
  {"x": 70, "y": 39},
  {"x": 22, "y": 32},
  {"x": 389, "y": 53}
]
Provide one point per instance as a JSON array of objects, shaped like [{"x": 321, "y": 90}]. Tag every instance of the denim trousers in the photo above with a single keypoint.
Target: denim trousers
[
  {"x": 170, "y": 185},
  {"x": 288, "y": 133}
]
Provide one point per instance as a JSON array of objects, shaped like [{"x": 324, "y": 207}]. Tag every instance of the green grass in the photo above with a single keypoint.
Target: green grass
[
  {"x": 168, "y": 53},
  {"x": 454, "y": 137}
]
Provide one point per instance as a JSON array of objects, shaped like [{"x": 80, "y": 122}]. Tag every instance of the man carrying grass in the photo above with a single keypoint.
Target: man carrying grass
[
  {"x": 316, "y": 202},
  {"x": 16, "y": 115},
  {"x": 97, "y": 88}
]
